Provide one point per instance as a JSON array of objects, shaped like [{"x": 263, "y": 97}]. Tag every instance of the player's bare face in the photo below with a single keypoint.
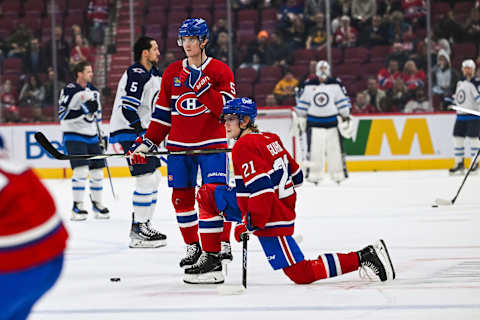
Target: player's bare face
[
  {"x": 153, "y": 53},
  {"x": 191, "y": 45},
  {"x": 232, "y": 126},
  {"x": 87, "y": 74}
]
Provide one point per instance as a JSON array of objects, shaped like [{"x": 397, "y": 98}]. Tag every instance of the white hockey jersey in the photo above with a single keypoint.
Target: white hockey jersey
[
  {"x": 75, "y": 119},
  {"x": 467, "y": 94},
  {"x": 322, "y": 102},
  {"x": 136, "y": 94}
]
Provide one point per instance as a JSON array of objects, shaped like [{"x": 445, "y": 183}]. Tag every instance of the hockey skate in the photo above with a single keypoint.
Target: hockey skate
[
  {"x": 207, "y": 270},
  {"x": 458, "y": 169},
  {"x": 78, "y": 212},
  {"x": 142, "y": 235},
  {"x": 226, "y": 253},
  {"x": 192, "y": 255},
  {"x": 474, "y": 169},
  {"x": 101, "y": 212},
  {"x": 376, "y": 258}
]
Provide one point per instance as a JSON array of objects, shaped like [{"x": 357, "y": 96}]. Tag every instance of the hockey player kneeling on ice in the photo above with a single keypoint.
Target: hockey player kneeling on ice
[
  {"x": 321, "y": 102},
  {"x": 263, "y": 202},
  {"x": 467, "y": 95}
]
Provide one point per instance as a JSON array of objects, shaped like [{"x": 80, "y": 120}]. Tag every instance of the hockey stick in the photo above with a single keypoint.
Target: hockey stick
[
  {"x": 103, "y": 151},
  {"x": 445, "y": 202},
  {"x": 226, "y": 289},
  {"x": 461, "y": 109},
  {"x": 43, "y": 141}
]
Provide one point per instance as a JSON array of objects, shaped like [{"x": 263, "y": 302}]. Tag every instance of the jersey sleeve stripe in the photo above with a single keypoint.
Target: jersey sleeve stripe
[
  {"x": 162, "y": 115},
  {"x": 131, "y": 99},
  {"x": 342, "y": 100},
  {"x": 260, "y": 184},
  {"x": 32, "y": 235},
  {"x": 162, "y": 122},
  {"x": 259, "y": 176},
  {"x": 256, "y": 194},
  {"x": 131, "y": 104},
  {"x": 345, "y": 106}
]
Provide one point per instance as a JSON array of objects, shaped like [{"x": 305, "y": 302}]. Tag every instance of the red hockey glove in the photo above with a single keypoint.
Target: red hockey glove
[
  {"x": 239, "y": 229},
  {"x": 194, "y": 79},
  {"x": 139, "y": 148}
]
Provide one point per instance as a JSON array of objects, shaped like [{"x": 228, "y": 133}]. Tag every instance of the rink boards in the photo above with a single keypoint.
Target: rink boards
[{"x": 380, "y": 142}]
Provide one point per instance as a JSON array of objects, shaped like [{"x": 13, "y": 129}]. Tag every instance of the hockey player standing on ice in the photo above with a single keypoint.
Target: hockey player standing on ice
[
  {"x": 467, "y": 95},
  {"x": 79, "y": 108},
  {"x": 320, "y": 105},
  {"x": 136, "y": 94},
  {"x": 32, "y": 239},
  {"x": 266, "y": 177},
  {"x": 188, "y": 108}
]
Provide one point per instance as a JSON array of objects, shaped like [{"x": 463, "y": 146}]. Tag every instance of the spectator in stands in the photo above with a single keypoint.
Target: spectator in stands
[
  {"x": 219, "y": 26},
  {"x": 363, "y": 11},
  {"x": 32, "y": 95},
  {"x": 63, "y": 53},
  {"x": 415, "y": 11},
  {"x": 472, "y": 27},
  {"x": 398, "y": 53},
  {"x": 33, "y": 60},
  {"x": 168, "y": 58},
  {"x": 244, "y": 4},
  {"x": 346, "y": 35},
  {"x": 98, "y": 18},
  {"x": 412, "y": 77},
  {"x": 375, "y": 96},
  {"x": 18, "y": 41},
  {"x": 444, "y": 78},
  {"x": 281, "y": 54},
  {"x": 386, "y": 7},
  {"x": 420, "y": 55},
  {"x": 445, "y": 45},
  {"x": 448, "y": 28},
  {"x": 219, "y": 49},
  {"x": 270, "y": 101},
  {"x": 397, "y": 27},
  {"x": 74, "y": 31},
  {"x": 8, "y": 103},
  {"x": 285, "y": 88},
  {"x": 361, "y": 104},
  {"x": 50, "y": 98},
  {"x": 311, "y": 8},
  {"x": 291, "y": 25},
  {"x": 289, "y": 11},
  {"x": 80, "y": 52},
  {"x": 418, "y": 103},
  {"x": 396, "y": 97},
  {"x": 317, "y": 34},
  {"x": 259, "y": 51},
  {"x": 386, "y": 77},
  {"x": 374, "y": 34},
  {"x": 310, "y": 75}
]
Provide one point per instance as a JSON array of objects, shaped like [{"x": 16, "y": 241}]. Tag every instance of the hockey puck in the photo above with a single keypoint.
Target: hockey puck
[
  {"x": 114, "y": 279},
  {"x": 434, "y": 205}
]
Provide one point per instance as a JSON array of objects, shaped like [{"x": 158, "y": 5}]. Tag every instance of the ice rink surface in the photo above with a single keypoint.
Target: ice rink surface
[{"x": 436, "y": 253}]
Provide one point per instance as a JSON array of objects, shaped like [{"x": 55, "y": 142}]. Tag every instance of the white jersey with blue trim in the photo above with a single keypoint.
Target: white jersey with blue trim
[
  {"x": 467, "y": 94},
  {"x": 137, "y": 92},
  {"x": 324, "y": 100},
  {"x": 73, "y": 113}
]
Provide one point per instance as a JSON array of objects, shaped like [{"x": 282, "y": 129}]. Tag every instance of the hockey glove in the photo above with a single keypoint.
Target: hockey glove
[
  {"x": 194, "y": 79},
  {"x": 92, "y": 106},
  {"x": 239, "y": 230},
  {"x": 139, "y": 148}
]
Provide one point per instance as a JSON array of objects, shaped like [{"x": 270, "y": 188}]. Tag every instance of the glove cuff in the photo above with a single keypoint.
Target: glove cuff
[
  {"x": 150, "y": 145},
  {"x": 202, "y": 85}
]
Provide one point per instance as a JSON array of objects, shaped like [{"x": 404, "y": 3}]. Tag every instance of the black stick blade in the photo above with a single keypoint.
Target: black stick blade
[{"x": 43, "y": 141}]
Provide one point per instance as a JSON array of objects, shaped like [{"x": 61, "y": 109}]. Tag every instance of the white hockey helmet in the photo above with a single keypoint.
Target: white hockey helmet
[
  {"x": 469, "y": 64},
  {"x": 323, "y": 69}
]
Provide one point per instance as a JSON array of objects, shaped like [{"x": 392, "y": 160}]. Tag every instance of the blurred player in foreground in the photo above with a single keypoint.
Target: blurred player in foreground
[
  {"x": 264, "y": 201},
  {"x": 32, "y": 239}
]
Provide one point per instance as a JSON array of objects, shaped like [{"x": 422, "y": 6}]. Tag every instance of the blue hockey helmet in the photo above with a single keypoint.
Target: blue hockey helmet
[
  {"x": 241, "y": 107},
  {"x": 193, "y": 27}
]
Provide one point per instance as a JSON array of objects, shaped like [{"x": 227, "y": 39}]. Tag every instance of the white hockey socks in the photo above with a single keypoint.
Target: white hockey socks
[
  {"x": 153, "y": 206},
  {"x": 96, "y": 184},
  {"x": 142, "y": 197},
  {"x": 474, "y": 146},
  {"x": 79, "y": 181},
  {"x": 459, "y": 153}
]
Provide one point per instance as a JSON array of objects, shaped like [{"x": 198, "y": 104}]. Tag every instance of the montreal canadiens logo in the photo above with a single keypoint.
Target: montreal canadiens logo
[
  {"x": 460, "y": 96},
  {"x": 189, "y": 106},
  {"x": 321, "y": 99}
]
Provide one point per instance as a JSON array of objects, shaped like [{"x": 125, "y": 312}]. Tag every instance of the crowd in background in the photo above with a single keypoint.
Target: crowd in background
[{"x": 398, "y": 85}]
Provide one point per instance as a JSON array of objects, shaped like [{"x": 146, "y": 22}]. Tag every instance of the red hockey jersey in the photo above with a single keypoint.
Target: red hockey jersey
[
  {"x": 192, "y": 122},
  {"x": 31, "y": 231},
  {"x": 266, "y": 176}
]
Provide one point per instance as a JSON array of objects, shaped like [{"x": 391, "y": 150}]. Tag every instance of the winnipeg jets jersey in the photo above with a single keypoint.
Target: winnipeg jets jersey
[
  {"x": 467, "y": 94},
  {"x": 136, "y": 94},
  {"x": 74, "y": 115},
  {"x": 321, "y": 103}
]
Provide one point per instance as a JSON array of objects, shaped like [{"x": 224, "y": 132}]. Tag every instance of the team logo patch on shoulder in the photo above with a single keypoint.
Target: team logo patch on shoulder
[
  {"x": 138, "y": 70},
  {"x": 461, "y": 96},
  {"x": 177, "y": 82}
]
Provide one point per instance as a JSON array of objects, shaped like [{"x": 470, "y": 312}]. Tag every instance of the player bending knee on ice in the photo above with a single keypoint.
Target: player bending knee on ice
[
  {"x": 320, "y": 103},
  {"x": 467, "y": 95},
  {"x": 193, "y": 92},
  {"x": 264, "y": 202},
  {"x": 79, "y": 109},
  {"x": 136, "y": 93}
]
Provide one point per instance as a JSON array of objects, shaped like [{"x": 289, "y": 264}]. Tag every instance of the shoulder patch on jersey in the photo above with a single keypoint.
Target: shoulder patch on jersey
[
  {"x": 138, "y": 70},
  {"x": 177, "y": 82},
  {"x": 70, "y": 85}
]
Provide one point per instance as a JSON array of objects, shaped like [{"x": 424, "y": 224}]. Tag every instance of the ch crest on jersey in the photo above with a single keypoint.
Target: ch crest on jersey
[
  {"x": 460, "y": 96},
  {"x": 188, "y": 105},
  {"x": 321, "y": 99}
]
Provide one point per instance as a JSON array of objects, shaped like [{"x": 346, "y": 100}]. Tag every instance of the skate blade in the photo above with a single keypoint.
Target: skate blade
[
  {"x": 214, "y": 277},
  {"x": 102, "y": 216},
  {"x": 382, "y": 252},
  {"x": 137, "y": 243},
  {"x": 228, "y": 290},
  {"x": 78, "y": 217},
  {"x": 457, "y": 173}
]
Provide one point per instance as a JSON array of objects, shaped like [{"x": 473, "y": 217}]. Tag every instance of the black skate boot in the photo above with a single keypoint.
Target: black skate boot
[
  {"x": 376, "y": 258},
  {"x": 142, "y": 235},
  {"x": 193, "y": 253},
  {"x": 101, "y": 212},
  {"x": 207, "y": 270},
  {"x": 226, "y": 253},
  {"x": 78, "y": 212},
  {"x": 458, "y": 169}
]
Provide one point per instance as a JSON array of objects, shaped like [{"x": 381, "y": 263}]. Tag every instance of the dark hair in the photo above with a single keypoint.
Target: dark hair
[
  {"x": 80, "y": 67},
  {"x": 143, "y": 43}
]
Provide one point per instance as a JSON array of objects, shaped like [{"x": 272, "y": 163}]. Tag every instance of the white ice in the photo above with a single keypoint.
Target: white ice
[{"x": 436, "y": 253}]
